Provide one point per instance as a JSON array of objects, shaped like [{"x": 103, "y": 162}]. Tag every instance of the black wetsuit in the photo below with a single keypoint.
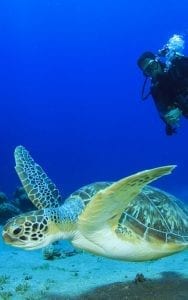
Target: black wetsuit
[{"x": 170, "y": 89}]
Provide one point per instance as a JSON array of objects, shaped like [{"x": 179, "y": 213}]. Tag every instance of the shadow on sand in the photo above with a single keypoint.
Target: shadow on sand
[{"x": 171, "y": 286}]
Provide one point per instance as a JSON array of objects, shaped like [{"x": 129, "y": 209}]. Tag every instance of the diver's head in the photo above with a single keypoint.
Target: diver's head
[{"x": 149, "y": 64}]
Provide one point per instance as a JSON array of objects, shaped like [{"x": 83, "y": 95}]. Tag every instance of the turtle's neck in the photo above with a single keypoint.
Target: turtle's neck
[
  {"x": 64, "y": 218},
  {"x": 71, "y": 210}
]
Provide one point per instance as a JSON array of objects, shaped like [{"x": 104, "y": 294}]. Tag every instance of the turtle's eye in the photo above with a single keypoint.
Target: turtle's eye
[{"x": 17, "y": 230}]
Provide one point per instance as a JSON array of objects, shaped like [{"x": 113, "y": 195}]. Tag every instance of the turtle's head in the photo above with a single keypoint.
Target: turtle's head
[{"x": 32, "y": 230}]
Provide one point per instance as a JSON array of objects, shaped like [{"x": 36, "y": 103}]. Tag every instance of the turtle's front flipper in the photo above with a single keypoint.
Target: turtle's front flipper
[
  {"x": 111, "y": 202},
  {"x": 40, "y": 189}
]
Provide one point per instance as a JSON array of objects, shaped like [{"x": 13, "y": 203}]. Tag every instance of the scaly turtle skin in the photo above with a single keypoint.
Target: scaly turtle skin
[{"x": 124, "y": 220}]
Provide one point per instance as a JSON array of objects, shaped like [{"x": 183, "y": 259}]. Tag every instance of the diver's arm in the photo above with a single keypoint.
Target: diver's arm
[
  {"x": 170, "y": 115},
  {"x": 160, "y": 102}
]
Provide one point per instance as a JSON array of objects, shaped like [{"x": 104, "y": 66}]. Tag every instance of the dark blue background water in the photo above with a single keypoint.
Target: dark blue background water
[{"x": 70, "y": 90}]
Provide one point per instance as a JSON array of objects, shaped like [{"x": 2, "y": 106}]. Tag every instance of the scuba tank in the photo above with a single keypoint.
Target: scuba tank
[{"x": 170, "y": 51}]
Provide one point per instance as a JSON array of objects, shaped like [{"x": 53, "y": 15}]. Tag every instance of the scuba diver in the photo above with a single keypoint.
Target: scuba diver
[{"x": 168, "y": 72}]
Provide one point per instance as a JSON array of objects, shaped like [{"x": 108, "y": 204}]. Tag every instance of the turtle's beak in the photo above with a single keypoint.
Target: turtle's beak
[
  {"x": 11, "y": 240},
  {"x": 6, "y": 238}
]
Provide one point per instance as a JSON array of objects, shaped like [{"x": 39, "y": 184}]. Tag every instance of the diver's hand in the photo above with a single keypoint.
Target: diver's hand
[{"x": 172, "y": 118}]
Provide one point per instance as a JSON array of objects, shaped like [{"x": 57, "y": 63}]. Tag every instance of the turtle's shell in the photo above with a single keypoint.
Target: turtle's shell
[
  {"x": 86, "y": 192},
  {"x": 153, "y": 214}
]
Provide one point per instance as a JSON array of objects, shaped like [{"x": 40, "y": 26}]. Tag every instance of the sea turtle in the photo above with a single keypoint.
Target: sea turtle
[{"x": 126, "y": 220}]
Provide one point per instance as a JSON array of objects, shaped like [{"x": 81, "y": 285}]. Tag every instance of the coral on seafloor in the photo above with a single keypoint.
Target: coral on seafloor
[
  {"x": 19, "y": 204},
  {"x": 3, "y": 197},
  {"x": 55, "y": 251},
  {"x": 21, "y": 200},
  {"x": 7, "y": 208}
]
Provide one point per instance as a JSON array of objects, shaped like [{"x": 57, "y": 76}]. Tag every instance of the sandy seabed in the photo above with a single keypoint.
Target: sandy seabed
[{"x": 26, "y": 275}]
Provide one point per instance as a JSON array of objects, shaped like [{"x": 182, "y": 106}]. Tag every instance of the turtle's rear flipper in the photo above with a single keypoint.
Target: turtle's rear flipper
[{"x": 111, "y": 202}]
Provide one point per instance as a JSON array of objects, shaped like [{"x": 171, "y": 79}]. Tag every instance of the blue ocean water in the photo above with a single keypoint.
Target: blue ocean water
[{"x": 70, "y": 90}]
